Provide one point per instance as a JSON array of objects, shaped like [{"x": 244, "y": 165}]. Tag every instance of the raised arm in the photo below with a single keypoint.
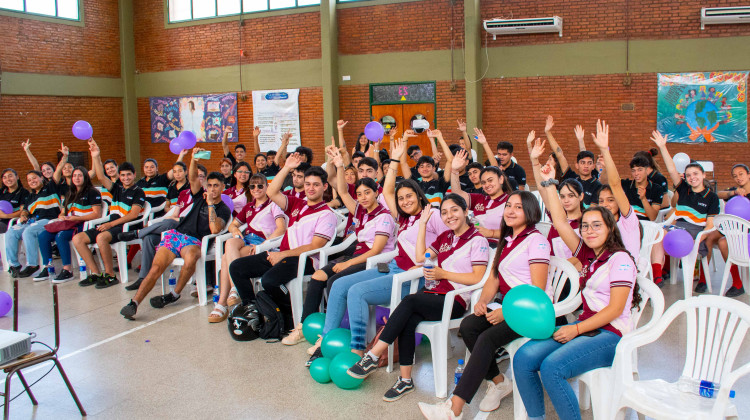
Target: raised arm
[
  {"x": 481, "y": 139},
  {"x": 462, "y": 128},
  {"x": 389, "y": 188},
  {"x": 180, "y": 158},
  {"x": 58, "y": 170},
  {"x": 341, "y": 187},
  {"x": 98, "y": 167},
  {"x": 281, "y": 153},
  {"x": 274, "y": 190},
  {"x": 536, "y": 149},
  {"x": 195, "y": 184},
  {"x": 256, "y": 142},
  {"x": 331, "y": 169},
  {"x": 27, "y": 148},
  {"x": 340, "y": 124},
  {"x": 224, "y": 142},
  {"x": 458, "y": 161},
  {"x": 405, "y": 170},
  {"x": 601, "y": 140},
  {"x": 661, "y": 143},
  {"x": 556, "y": 149},
  {"x": 437, "y": 134},
  {"x": 556, "y": 211},
  {"x": 579, "y": 132}
]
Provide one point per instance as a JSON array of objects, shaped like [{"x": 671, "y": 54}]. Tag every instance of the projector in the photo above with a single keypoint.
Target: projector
[{"x": 13, "y": 345}]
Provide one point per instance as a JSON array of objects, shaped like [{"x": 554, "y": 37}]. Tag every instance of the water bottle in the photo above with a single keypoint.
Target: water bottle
[
  {"x": 706, "y": 389},
  {"x": 216, "y": 293},
  {"x": 429, "y": 284},
  {"x": 82, "y": 268},
  {"x": 351, "y": 229},
  {"x": 473, "y": 220},
  {"x": 50, "y": 268},
  {"x": 172, "y": 281},
  {"x": 459, "y": 371}
]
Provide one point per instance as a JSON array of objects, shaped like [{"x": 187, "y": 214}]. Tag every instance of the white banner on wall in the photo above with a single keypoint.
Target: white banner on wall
[{"x": 276, "y": 112}]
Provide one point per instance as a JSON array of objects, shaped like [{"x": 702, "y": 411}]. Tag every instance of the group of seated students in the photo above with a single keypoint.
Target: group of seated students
[{"x": 453, "y": 216}]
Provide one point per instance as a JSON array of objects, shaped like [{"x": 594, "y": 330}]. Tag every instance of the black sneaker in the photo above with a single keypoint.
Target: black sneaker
[
  {"x": 701, "y": 288},
  {"x": 317, "y": 355},
  {"x": 134, "y": 285},
  {"x": 734, "y": 292},
  {"x": 14, "y": 271},
  {"x": 63, "y": 277},
  {"x": 90, "y": 280},
  {"x": 659, "y": 281},
  {"x": 399, "y": 389},
  {"x": 129, "y": 310},
  {"x": 163, "y": 300},
  {"x": 106, "y": 281},
  {"x": 128, "y": 236},
  {"x": 363, "y": 368},
  {"x": 29, "y": 270},
  {"x": 43, "y": 275}
]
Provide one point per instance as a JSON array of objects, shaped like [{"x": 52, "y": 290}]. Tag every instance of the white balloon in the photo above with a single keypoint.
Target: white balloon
[{"x": 681, "y": 161}]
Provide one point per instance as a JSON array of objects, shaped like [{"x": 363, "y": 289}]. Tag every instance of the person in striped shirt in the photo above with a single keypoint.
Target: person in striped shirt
[{"x": 696, "y": 203}]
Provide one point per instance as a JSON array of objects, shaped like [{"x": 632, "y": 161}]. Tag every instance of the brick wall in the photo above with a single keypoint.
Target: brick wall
[
  {"x": 414, "y": 26},
  {"x": 514, "y": 106},
  {"x": 311, "y": 115},
  {"x": 584, "y": 20},
  {"x": 47, "y": 120},
  {"x": 32, "y": 46},
  {"x": 269, "y": 39}
]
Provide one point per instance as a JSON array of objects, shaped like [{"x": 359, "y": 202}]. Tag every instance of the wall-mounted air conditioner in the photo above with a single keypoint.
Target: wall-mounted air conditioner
[
  {"x": 523, "y": 26},
  {"x": 724, "y": 15}
]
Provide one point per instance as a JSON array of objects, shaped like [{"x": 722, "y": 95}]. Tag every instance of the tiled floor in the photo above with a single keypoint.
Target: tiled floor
[{"x": 171, "y": 363}]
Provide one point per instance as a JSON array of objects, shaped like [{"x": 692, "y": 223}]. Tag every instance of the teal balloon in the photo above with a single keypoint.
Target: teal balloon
[
  {"x": 528, "y": 311},
  {"x": 313, "y": 326},
  {"x": 319, "y": 370},
  {"x": 338, "y": 367},
  {"x": 335, "y": 342}
]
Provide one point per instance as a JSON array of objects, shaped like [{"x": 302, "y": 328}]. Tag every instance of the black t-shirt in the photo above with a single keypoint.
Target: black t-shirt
[
  {"x": 173, "y": 192},
  {"x": 155, "y": 189},
  {"x": 84, "y": 205},
  {"x": 473, "y": 190},
  {"x": 46, "y": 203},
  {"x": 271, "y": 170},
  {"x": 465, "y": 182},
  {"x": 695, "y": 207},
  {"x": 660, "y": 180},
  {"x": 231, "y": 158},
  {"x": 196, "y": 223},
  {"x": 654, "y": 195},
  {"x": 590, "y": 186},
  {"x": 515, "y": 173},
  {"x": 434, "y": 190},
  {"x": 123, "y": 200},
  {"x": 16, "y": 198}
]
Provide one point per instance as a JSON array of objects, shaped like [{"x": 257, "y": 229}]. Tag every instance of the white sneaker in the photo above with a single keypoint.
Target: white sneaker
[
  {"x": 294, "y": 337},
  {"x": 439, "y": 411},
  {"x": 495, "y": 394}
]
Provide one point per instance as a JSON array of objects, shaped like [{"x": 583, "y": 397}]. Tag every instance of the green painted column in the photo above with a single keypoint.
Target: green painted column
[
  {"x": 329, "y": 64},
  {"x": 472, "y": 27},
  {"x": 127, "y": 73}
]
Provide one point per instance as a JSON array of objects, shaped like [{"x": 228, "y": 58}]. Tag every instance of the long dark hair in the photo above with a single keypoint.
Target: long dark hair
[
  {"x": 45, "y": 181},
  {"x": 575, "y": 186},
  {"x": 358, "y": 147},
  {"x": 74, "y": 194},
  {"x": 614, "y": 243},
  {"x": 412, "y": 185},
  {"x": 367, "y": 182},
  {"x": 558, "y": 169},
  {"x": 4, "y": 189},
  {"x": 184, "y": 168},
  {"x": 460, "y": 202},
  {"x": 504, "y": 184},
  {"x": 233, "y": 183},
  {"x": 531, "y": 212}
]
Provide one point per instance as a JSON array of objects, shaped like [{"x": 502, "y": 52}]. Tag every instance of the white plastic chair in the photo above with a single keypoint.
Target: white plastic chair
[
  {"x": 544, "y": 228},
  {"x": 121, "y": 248},
  {"x": 735, "y": 230},
  {"x": 716, "y": 327},
  {"x": 653, "y": 233},
  {"x": 594, "y": 386},
  {"x": 538, "y": 196},
  {"x": 560, "y": 272},
  {"x": 207, "y": 254},
  {"x": 688, "y": 262},
  {"x": 436, "y": 331},
  {"x": 266, "y": 245},
  {"x": 6, "y": 264}
]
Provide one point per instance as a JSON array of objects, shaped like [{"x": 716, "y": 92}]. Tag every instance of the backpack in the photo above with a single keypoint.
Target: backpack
[
  {"x": 244, "y": 322},
  {"x": 272, "y": 320}
]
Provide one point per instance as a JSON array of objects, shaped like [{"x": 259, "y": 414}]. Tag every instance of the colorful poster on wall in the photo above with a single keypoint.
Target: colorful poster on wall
[
  {"x": 276, "y": 112},
  {"x": 208, "y": 116},
  {"x": 703, "y": 107}
]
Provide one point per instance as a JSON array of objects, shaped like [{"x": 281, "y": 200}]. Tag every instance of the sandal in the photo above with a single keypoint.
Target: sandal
[
  {"x": 219, "y": 314},
  {"x": 234, "y": 297}
]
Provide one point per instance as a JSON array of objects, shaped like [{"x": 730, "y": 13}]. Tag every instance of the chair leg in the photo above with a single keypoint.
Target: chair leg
[
  {"x": 725, "y": 276},
  {"x": 687, "y": 277},
  {"x": 26, "y": 385},
  {"x": 70, "y": 387},
  {"x": 6, "y": 406},
  {"x": 200, "y": 281},
  {"x": 706, "y": 273},
  {"x": 584, "y": 396},
  {"x": 440, "y": 363},
  {"x": 389, "y": 369}
]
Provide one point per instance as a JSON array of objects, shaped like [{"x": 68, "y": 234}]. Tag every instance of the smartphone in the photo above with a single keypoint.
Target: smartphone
[
  {"x": 383, "y": 268},
  {"x": 203, "y": 154},
  {"x": 592, "y": 333}
]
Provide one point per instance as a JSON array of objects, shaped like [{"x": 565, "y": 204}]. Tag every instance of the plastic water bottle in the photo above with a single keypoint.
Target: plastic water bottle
[
  {"x": 216, "y": 293},
  {"x": 172, "y": 281},
  {"x": 50, "y": 268},
  {"x": 473, "y": 219},
  {"x": 706, "y": 389},
  {"x": 459, "y": 371},
  {"x": 429, "y": 284},
  {"x": 351, "y": 229},
  {"x": 82, "y": 268}
]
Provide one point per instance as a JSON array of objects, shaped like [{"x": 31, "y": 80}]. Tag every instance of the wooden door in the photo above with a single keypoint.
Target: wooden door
[{"x": 403, "y": 115}]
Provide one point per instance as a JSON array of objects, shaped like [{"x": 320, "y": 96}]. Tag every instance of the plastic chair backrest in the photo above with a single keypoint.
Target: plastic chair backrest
[
  {"x": 541, "y": 205},
  {"x": 561, "y": 272},
  {"x": 648, "y": 291},
  {"x": 653, "y": 233},
  {"x": 544, "y": 227},
  {"x": 735, "y": 230}
]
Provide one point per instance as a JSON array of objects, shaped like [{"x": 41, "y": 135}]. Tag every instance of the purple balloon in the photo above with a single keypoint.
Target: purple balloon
[
  {"x": 738, "y": 206},
  {"x": 175, "y": 146},
  {"x": 228, "y": 201},
  {"x": 6, "y": 303},
  {"x": 6, "y": 207},
  {"x": 345, "y": 321},
  {"x": 374, "y": 131},
  {"x": 188, "y": 139},
  {"x": 82, "y": 130},
  {"x": 678, "y": 243}
]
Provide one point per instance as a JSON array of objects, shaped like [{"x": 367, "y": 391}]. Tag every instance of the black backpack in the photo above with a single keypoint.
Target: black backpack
[
  {"x": 272, "y": 325},
  {"x": 244, "y": 322}
]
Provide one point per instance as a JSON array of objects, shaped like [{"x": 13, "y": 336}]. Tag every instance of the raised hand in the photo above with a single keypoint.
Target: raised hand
[
  {"x": 209, "y": 200},
  {"x": 64, "y": 150},
  {"x": 399, "y": 148},
  {"x": 94, "y": 148},
  {"x": 642, "y": 192},
  {"x": 425, "y": 216},
  {"x": 461, "y": 124},
  {"x": 459, "y": 160},
  {"x": 537, "y": 149},
  {"x": 293, "y": 160},
  {"x": 340, "y": 124},
  {"x": 548, "y": 172},
  {"x": 660, "y": 140},
  {"x": 196, "y": 150},
  {"x": 392, "y": 132},
  {"x": 549, "y": 124},
  {"x": 479, "y": 136},
  {"x": 434, "y": 133},
  {"x": 26, "y": 144},
  {"x": 579, "y": 132},
  {"x": 286, "y": 136},
  {"x": 438, "y": 157},
  {"x": 409, "y": 133},
  {"x": 530, "y": 140},
  {"x": 601, "y": 139},
  {"x": 256, "y": 131}
]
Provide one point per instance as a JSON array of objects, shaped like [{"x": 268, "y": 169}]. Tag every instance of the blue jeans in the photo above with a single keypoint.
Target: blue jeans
[
  {"x": 557, "y": 362},
  {"x": 356, "y": 293},
  {"x": 63, "y": 245},
  {"x": 29, "y": 232}
]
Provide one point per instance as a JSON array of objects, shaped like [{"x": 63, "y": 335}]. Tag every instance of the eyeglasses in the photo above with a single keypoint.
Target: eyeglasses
[
  {"x": 243, "y": 172},
  {"x": 254, "y": 186},
  {"x": 596, "y": 226}
]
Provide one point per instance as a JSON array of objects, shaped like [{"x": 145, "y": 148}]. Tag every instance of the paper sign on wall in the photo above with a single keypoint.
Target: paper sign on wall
[{"x": 276, "y": 112}]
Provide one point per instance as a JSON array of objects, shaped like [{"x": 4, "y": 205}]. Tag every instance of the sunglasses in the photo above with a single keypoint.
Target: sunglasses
[{"x": 254, "y": 186}]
